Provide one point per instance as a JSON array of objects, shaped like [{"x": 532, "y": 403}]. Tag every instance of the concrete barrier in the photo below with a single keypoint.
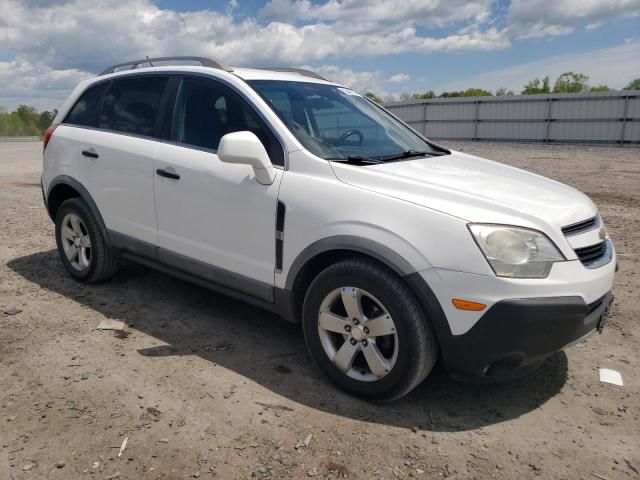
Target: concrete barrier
[{"x": 20, "y": 139}]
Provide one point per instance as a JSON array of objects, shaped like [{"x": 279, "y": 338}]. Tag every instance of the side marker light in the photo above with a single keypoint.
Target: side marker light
[{"x": 467, "y": 305}]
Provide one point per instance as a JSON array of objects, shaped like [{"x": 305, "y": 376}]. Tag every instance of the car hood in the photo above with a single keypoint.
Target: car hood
[{"x": 474, "y": 189}]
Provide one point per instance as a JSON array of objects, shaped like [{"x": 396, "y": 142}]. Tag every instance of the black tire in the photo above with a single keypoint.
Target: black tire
[
  {"x": 103, "y": 261},
  {"x": 417, "y": 343}
]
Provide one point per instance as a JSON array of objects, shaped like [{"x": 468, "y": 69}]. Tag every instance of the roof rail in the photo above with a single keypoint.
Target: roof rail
[
  {"x": 301, "y": 71},
  {"x": 205, "y": 62}
]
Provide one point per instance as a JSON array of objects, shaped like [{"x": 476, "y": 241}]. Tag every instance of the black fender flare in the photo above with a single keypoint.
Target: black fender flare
[
  {"x": 362, "y": 245},
  {"x": 84, "y": 194},
  {"x": 391, "y": 259}
]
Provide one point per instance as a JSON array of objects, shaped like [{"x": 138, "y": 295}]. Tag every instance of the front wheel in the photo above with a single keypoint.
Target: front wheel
[{"x": 366, "y": 330}]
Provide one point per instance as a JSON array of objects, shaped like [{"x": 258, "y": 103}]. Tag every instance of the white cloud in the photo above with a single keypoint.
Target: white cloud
[
  {"x": 370, "y": 15},
  {"x": 541, "y": 18},
  {"x": 231, "y": 6},
  {"x": 614, "y": 66},
  {"x": 48, "y": 44},
  {"x": 89, "y": 35},
  {"x": 361, "y": 81},
  {"x": 540, "y": 30},
  {"x": 38, "y": 85},
  {"x": 399, "y": 78}
]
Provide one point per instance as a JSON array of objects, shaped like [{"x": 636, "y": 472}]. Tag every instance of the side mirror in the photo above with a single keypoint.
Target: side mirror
[{"x": 245, "y": 148}]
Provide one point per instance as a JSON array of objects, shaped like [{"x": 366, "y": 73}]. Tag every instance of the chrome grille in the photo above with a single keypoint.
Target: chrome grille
[
  {"x": 591, "y": 254},
  {"x": 580, "y": 227}
]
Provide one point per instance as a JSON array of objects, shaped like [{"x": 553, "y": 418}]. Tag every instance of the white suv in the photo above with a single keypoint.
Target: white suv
[{"x": 291, "y": 192}]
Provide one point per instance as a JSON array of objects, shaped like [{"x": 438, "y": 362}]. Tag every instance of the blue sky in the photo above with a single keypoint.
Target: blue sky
[{"x": 388, "y": 47}]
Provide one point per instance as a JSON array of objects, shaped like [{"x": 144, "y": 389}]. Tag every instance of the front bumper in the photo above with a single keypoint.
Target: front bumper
[
  {"x": 566, "y": 279},
  {"x": 526, "y": 320},
  {"x": 515, "y": 336}
]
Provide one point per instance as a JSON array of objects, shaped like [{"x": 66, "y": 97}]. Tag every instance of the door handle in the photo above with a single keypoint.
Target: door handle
[
  {"x": 168, "y": 173},
  {"x": 91, "y": 153}
]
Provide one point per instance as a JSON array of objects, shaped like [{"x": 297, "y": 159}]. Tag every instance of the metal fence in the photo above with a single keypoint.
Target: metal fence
[
  {"x": 608, "y": 117},
  {"x": 19, "y": 139}
]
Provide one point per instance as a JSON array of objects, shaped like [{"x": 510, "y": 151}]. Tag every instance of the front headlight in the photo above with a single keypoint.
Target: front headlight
[{"x": 516, "y": 252}]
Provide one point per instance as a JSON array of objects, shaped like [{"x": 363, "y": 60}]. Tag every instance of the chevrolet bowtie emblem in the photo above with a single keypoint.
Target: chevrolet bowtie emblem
[{"x": 602, "y": 233}]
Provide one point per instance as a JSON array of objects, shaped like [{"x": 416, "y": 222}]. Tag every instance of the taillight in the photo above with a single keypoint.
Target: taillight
[{"x": 47, "y": 135}]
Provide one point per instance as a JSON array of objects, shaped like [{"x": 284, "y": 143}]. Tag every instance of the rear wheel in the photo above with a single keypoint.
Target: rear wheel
[
  {"x": 81, "y": 244},
  {"x": 366, "y": 330}
]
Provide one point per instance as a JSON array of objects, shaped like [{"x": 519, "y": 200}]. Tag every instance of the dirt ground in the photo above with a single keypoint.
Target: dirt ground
[{"x": 204, "y": 386}]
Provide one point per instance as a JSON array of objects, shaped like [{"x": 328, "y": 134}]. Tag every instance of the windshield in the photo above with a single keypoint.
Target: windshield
[{"x": 336, "y": 123}]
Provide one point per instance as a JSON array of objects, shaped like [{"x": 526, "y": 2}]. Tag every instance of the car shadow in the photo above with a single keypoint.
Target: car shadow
[{"x": 260, "y": 346}]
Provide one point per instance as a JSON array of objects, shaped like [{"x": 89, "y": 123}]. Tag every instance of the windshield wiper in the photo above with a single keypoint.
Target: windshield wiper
[
  {"x": 356, "y": 159},
  {"x": 409, "y": 154}
]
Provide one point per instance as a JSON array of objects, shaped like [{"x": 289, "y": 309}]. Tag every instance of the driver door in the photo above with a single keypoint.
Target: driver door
[{"x": 214, "y": 219}]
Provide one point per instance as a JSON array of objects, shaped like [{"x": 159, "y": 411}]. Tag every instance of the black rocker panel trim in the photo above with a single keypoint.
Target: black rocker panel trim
[
  {"x": 195, "y": 268},
  {"x": 279, "y": 306}
]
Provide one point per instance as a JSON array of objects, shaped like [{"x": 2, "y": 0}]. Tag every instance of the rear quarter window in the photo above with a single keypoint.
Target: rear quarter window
[
  {"x": 131, "y": 105},
  {"x": 85, "y": 111}
]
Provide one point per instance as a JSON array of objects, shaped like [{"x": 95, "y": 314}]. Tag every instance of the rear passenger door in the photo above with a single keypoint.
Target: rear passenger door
[{"x": 117, "y": 156}]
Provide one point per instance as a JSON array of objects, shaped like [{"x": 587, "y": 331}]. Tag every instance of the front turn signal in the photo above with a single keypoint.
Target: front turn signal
[{"x": 467, "y": 305}]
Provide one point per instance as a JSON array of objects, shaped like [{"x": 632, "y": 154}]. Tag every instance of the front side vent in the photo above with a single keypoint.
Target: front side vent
[
  {"x": 280, "y": 217},
  {"x": 581, "y": 227},
  {"x": 280, "y": 214}
]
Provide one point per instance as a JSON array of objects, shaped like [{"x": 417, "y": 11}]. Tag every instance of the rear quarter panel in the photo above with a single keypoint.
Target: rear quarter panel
[{"x": 120, "y": 181}]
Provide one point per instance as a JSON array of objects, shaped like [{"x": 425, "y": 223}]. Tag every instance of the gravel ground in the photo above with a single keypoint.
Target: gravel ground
[{"x": 203, "y": 386}]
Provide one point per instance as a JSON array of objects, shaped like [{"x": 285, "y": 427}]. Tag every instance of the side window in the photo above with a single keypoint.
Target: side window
[
  {"x": 85, "y": 111},
  {"x": 131, "y": 104},
  {"x": 206, "y": 111},
  {"x": 280, "y": 102}
]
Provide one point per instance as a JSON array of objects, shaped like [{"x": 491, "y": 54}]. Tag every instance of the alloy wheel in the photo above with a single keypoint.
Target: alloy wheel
[
  {"x": 76, "y": 242},
  {"x": 358, "y": 334}
]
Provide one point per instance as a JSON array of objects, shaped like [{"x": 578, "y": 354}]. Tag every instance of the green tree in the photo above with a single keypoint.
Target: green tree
[
  {"x": 476, "y": 92},
  {"x": 537, "y": 86},
  {"x": 633, "y": 85},
  {"x": 450, "y": 94},
  {"x": 502, "y": 91},
  {"x": 424, "y": 95},
  {"x": 469, "y": 92},
  {"x": 599, "y": 88},
  {"x": 45, "y": 118},
  {"x": 570, "y": 82},
  {"x": 374, "y": 97},
  {"x": 25, "y": 120}
]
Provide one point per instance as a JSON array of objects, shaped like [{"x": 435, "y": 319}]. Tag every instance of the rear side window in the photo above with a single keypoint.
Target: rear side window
[
  {"x": 131, "y": 105},
  {"x": 206, "y": 111},
  {"x": 85, "y": 111}
]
